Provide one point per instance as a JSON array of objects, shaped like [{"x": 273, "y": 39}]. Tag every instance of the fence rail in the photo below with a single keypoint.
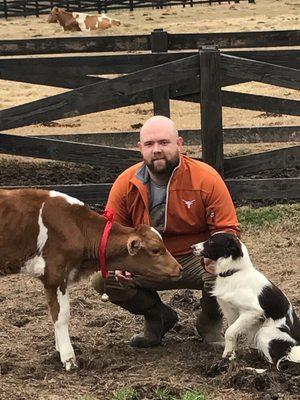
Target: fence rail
[
  {"x": 119, "y": 43},
  {"x": 240, "y": 189},
  {"x": 16, "y": 8},
  {"x": 159, "y": 76},
  {"x": 191, "y": 137}
]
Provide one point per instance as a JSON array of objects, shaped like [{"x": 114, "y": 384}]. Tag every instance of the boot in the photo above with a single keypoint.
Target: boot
[
  {"x": 159, "y": 318},
  {"x": 158, "y": 321},
  {"x": 209, "y": 322}
]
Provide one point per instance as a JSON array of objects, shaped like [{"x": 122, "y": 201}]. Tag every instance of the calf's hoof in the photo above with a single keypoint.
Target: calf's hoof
[{"x": 70, "y": 364}]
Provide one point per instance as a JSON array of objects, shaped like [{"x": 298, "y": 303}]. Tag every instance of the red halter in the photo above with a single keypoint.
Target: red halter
[{"x": 109, "y": 216}]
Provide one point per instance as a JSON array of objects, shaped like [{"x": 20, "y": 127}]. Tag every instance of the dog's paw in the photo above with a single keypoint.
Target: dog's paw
[{"x": 230, "y": 354}]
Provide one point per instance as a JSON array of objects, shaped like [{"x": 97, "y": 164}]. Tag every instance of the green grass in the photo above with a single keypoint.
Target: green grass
[
  {"x": 164, "y": 394},
  {"x": 159, "y": 394},
  {"x": 266, "y": 216},
  {"x": 193, "y": 395},
  {"x": 124, "y": 394}
]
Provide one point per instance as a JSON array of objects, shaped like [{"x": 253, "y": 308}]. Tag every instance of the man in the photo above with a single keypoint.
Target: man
[{"x": 186, "y": 201}]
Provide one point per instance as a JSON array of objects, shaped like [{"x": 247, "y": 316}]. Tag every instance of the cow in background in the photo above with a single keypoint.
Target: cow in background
[
  {"x": 76, "y": 21},
  {"x": 55, "y": 238}
]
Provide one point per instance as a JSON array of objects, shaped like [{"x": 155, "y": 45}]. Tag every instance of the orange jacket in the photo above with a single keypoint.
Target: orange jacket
[{"x": 198, "y": 204}]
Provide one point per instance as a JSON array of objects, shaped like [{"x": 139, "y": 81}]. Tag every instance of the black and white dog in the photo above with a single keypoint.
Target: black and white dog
[{"x": 250, "y": 302}]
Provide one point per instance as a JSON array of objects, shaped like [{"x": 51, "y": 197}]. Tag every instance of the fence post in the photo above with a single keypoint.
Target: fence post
[
  {"x": 5, "y": 9},
  {"x": 24, "y": 9},
  {"x": 37, "y": 10},
  {"x": 211, "y": 107},
  {"x": 161, "y": 100}
]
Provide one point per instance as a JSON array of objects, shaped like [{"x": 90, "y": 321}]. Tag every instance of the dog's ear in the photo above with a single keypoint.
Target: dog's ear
[{"x": 234, "y": 248}]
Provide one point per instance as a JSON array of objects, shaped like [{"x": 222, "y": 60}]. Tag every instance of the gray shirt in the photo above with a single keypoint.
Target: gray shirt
[{"x": 157, "y": 204}]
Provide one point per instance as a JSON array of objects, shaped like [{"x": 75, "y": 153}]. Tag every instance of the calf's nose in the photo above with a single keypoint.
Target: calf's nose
[{"x": 177, "y": 271}]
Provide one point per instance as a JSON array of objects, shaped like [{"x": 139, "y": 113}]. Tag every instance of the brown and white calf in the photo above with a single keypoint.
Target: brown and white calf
[
  {"x": 76, "y": 21},
  {"x": 55, "y": 238}
]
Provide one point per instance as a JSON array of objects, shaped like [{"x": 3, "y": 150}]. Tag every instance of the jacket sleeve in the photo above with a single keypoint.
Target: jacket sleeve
[
  {"x": 220, "y": 210},
  {"x": 117, "y": 201}
]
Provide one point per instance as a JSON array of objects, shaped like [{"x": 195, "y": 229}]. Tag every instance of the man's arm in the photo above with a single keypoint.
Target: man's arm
[
  {"x": 117, "y": 200},
  {"x": 220, "y": 210}
]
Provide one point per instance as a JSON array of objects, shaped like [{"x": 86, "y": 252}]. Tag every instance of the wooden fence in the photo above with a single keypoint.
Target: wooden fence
[
  {"x": 194, "y": 76},
  {"x": 13, "y": 8}
]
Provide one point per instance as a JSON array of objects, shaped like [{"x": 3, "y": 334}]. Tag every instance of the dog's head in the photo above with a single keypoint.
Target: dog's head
[{"x": 218, "y": 252}]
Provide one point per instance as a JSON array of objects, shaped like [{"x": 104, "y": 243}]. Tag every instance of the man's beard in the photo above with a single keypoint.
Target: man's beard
[{"x": 168, "y": 168}]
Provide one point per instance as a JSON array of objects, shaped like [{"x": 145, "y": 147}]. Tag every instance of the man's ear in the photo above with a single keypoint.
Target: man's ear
[
  {"x": 234, "y": 248},
  {"x": 133, "y": 245},
  {"x": 180, "y": 143}
]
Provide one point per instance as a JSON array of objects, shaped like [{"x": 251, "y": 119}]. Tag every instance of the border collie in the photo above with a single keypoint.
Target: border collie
[{"x": 251, "y": 303}]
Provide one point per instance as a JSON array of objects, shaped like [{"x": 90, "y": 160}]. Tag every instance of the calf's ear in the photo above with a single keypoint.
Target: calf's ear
[{"x": 133, "y": 245}]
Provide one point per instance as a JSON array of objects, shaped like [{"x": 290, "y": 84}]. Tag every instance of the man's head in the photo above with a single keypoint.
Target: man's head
[{"x": 160, "y": 145}]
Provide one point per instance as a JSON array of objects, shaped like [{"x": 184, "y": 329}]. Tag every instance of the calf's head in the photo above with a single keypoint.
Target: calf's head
[
  {"x": 53, "y": 16},
  {"x": 148, "y": 256},
  {"x": 218, "y": 252}
]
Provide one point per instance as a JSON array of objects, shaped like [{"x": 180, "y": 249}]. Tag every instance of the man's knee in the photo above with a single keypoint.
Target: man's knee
[{"x": 116, "y": 292}]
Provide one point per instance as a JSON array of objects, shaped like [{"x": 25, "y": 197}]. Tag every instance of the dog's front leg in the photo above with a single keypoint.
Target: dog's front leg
[{"x": 244, "y": 322}]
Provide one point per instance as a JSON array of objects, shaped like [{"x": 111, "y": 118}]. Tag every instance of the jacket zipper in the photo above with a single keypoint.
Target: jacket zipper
[{"x": 167, "y": 197}]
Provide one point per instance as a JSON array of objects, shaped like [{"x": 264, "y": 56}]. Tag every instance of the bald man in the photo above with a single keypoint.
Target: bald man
[{"x": 186, "y": 201}]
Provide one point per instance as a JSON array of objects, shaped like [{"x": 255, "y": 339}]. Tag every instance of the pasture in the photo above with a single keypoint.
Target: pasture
[{"x": 29, "y": 366}]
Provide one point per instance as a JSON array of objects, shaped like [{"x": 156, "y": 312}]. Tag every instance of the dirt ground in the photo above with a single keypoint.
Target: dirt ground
[
  {"x": 29, "y": 366},
  {"x": 100, "y": 332}
]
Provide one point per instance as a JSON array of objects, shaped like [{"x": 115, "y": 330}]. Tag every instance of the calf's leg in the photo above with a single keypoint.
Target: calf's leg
[{"x": 59, "y": 306}]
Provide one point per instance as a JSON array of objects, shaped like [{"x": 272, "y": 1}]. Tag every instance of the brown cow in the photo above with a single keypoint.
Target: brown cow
[
  {"x": 76, "y": 21},
  {"x": 55, "y": 238}
]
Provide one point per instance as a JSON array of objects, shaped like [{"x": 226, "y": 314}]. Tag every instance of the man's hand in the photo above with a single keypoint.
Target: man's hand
[{"x": 123, "y": 276}]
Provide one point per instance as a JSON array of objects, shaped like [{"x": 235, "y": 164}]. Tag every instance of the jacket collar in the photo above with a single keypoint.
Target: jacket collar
[{"x": 142, "y": 174}]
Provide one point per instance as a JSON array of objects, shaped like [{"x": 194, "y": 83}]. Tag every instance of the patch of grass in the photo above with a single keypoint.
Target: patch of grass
[
  {"x": 124, "y": 394},
  {"x": 87, "y": 397},
  {"x": 194, "y": 395},
  {"x": 164, "y": 394},
  {"x": 265, "y": 216},
  {"x": 237, "y": 153}
]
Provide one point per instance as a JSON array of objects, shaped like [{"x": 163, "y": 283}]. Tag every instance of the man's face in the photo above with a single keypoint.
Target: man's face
[{"x": 160, "y": 149}]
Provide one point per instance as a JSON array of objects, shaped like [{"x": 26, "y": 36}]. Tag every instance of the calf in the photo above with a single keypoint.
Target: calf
[
  {"x": 55, "y": 238},
  {"x": 76, "y": 21}
]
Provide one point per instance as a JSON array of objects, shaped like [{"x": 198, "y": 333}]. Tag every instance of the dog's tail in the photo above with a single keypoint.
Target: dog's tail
[
  {"x": 294, "y": 354},
  {"x": 291, "y": 361}
]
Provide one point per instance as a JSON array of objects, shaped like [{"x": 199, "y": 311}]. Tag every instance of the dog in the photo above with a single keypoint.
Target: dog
[{"x": 251, "y": 303}]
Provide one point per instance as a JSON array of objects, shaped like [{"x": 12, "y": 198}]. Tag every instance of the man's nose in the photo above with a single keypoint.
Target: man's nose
[{"x": 156, "y": 148}]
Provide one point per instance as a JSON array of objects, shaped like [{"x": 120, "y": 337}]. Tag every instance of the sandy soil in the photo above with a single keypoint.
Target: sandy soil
[
  {"x": 265, "y": 15},
  {"x": 29, "y": 365}
]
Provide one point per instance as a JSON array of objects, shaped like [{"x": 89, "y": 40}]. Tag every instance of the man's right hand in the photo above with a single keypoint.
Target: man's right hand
[{"x": 123, "y": 276}]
